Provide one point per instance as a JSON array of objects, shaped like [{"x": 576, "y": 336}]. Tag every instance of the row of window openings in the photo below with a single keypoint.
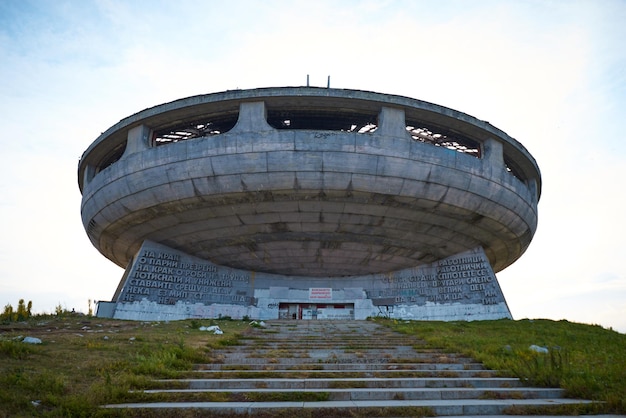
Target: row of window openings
[
  {"x": 420, "y": 134},
  {"x": 424, "y": 135}
]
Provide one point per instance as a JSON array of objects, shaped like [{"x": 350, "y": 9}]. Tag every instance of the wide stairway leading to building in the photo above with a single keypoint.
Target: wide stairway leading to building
[{"x": 343, "y": 368}]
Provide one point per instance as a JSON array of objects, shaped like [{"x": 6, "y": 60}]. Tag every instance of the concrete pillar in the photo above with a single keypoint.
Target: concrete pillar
[
  {"x": 252, "y": 118},
  {"x": 88, "y": 174},
  {"x": 534, "y": 190},
  {"x": 137, "y": 140},
  {"x": 492, "y": 152},
  {"x": 391, "y": 122}
]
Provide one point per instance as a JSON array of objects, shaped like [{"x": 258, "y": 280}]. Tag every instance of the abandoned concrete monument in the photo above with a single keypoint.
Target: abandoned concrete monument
[{"x": 307, "y": 203}]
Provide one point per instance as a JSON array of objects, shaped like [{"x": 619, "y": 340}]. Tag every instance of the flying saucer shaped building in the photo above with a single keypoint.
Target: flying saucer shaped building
[{"x": 303, "y": 202}]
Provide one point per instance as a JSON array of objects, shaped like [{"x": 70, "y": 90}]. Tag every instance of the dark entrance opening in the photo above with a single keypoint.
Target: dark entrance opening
[{"x": 315, "y": 311}]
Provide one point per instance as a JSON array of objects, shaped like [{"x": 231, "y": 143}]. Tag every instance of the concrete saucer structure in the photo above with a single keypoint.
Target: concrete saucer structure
[{"x": 303, "y": 202}]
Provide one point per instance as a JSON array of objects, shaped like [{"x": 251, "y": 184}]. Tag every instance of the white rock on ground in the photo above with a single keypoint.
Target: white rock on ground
[
  {"x": 214, "y": 328},
  {"x": 538, "y": 349}
]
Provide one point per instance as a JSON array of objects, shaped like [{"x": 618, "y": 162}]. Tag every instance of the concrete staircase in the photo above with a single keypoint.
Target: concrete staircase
[{"x": 344, "y": 368}]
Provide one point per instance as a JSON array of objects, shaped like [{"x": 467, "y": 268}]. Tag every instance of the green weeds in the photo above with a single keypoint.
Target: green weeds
[
  {"x": 16, "y": 350},
  {"x": 86, "y": 362},
  {"x": 588, "y": 361},
  {"x": 540, "y": 369}
]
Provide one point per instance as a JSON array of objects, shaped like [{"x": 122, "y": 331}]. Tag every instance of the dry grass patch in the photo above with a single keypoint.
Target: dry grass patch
[{"x": 84, "y": 362}]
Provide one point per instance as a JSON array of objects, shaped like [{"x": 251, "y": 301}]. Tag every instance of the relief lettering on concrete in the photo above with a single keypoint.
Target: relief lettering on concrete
[
  {"x": 464, "y": 278},
  {"x": 462, "y": 286},
  {"x": 165, "y": 276}
]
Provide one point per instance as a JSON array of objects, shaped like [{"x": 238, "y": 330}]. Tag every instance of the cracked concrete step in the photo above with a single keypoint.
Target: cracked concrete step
[
  {"x": 330, "y": 349},
  {"x": 327, "y": 347},
  {"x": 388, "y": 373},
  {"x": 343, "y": 343},
  {"x": 362, "y": 355},
  {"x": 295, "y": 340},
  {"x": 327, "y": 360},
  {"x": 344, "y": 360},
  {"x": 361, "y": 382},
  {"x": 310, "y": 366},
  {"x": 386, "y": 394},
  {"x": 449, "y": 407},
  {"x": 337, "y": 357}
]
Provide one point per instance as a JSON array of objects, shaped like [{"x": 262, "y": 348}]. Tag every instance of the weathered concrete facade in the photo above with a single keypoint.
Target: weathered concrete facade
[
  {"x": 305, "y": 185},
  {"x": 165, "y": 284}
]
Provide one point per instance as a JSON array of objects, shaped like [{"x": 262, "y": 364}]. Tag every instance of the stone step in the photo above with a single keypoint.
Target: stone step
[
  {"x": 381, "y": 341},
  {"x": 387, "y": 394},
  {"x": 338, "y": 357},
  {"x": 364, "y": 345},
  {"x": 330, "y": 355},
  {"x": 465, "y": 407},
  {"x": 353, "y": 369},
  {"x": 254, "y": 364},
  {"x": 334, "y": 374},
  {"x": 343, "y": 360},
  {"x": 329, "y": 350},
  {"x": 360, "y": 382},
  {"x": 323, "y": 347}
]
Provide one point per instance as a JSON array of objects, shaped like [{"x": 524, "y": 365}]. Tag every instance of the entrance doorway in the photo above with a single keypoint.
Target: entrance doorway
[{"x": 311, "y": 311}]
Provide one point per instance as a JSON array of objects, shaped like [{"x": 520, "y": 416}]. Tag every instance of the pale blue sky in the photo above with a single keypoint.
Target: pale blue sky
[{"x": 552, "y": 74}]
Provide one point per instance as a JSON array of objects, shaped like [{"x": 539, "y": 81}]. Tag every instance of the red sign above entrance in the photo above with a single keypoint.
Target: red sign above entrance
[{"x": 317, "y": 293}]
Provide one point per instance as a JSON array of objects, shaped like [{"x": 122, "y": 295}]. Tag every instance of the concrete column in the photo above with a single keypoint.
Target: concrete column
[
  {"x": 391, "y": 122},
  {"x": 88, "y": 174},
  {"x": 532, "y": 185},
  {"x": 492, "y": 152},
  {"x": 137, "y": 140},
  {"x": 252, "y": 118}
]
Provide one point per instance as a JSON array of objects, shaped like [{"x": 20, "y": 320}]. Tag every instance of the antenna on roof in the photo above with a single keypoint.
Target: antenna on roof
[
  {"x": 307, "y": 80},
  {"x": 328, "y": 83}
]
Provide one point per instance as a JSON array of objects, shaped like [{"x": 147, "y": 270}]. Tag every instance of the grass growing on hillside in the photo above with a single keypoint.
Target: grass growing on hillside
[
  {"x": 84, "y": 362},
  {"x": 588, "y": 361}
]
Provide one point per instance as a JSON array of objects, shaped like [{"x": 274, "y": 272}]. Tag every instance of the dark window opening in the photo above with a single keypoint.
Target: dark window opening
[
  {"x": 367, "y": 128},
  {"x": 112, "y": 157},
  {"x": 195, "y": 129},
  {"x": 511, "y": 168},
  {"x": 439, "y": 138},
  {"x": 321, "y": 120}
]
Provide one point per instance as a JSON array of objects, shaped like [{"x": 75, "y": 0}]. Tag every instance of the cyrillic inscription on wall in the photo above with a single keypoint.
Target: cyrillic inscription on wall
[
  {"x": 464, "y": 278},
  {"x": 163, "y": 275}
]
